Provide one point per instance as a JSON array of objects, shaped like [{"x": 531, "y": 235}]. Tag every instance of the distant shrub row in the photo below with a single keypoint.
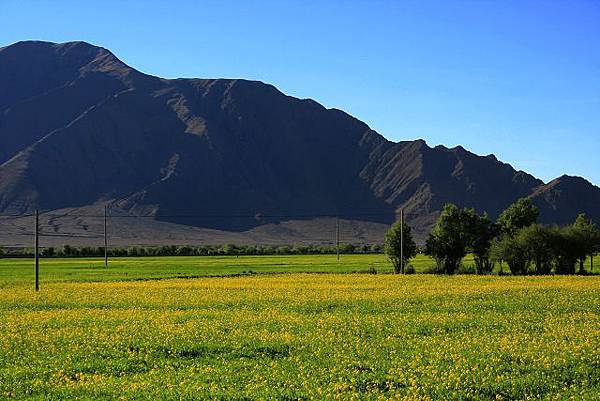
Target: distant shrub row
[{"x": 203, "y": 250}]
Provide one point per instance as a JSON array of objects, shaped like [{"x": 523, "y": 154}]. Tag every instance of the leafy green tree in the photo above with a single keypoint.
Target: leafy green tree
[
  {"x": 594, "y": 252},
  {"x": 586, "y": 238},
  {"x": 46, "y": 252},
  {"x": 347, "y": 248},
  {"x": 565, "y": 249},
  {"x": 229, "y": 249},
  {"x": 481, "y": 232},
  {"x": 184, "y": 250},
  {"x": 520, "y": 214},
  {"x": 283, "y": 250},
  {"x": 117, "y": 252},
  {"x": 448, "y": 241},
  {"x": 538, "y": 242},
  {"x": 514, "y": 252},
  {"x": 68, "y": 251},
  {"x": 377, "y": 248},
  {"x": 1, "y": 252},
  {"x": 399, "y": 235}
]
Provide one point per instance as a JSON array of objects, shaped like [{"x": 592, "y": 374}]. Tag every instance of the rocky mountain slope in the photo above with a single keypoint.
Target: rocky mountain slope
[{"x": 78, "y": 127}]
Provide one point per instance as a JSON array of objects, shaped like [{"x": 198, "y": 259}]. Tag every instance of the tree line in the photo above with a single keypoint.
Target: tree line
[
  {"x": 201, "y": 250},
  {"x": 515, "y": 239}
]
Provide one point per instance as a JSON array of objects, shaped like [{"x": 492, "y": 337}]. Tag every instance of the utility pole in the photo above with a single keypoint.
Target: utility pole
[
  {"x": 37, "y": 250},
  {"x": 105, "y": 238},
  {"x": 402, "y": 240},
  {"x": 337, "y": 237}
]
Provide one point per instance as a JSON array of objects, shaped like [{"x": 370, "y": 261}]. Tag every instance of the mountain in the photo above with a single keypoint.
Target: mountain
[
  {"x": 562, "y": 199},
  {"x": 78, "y": 127}
]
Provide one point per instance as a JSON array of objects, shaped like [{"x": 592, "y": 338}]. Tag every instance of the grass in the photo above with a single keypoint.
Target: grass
[
  {"x": 89, "y": 335},
  {"x": 20, "y": 271}
]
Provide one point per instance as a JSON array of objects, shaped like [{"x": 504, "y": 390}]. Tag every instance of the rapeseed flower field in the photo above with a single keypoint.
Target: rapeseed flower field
[{"x": 303, "y": 336}]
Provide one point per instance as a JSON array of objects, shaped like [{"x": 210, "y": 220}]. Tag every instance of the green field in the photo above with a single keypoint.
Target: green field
[
  {"x": 20, "y": 271},
  {"x": 95, "y": 333}
]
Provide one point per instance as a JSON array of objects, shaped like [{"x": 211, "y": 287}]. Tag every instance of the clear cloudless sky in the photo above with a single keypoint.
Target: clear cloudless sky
[{"x": 520, "y": 79}]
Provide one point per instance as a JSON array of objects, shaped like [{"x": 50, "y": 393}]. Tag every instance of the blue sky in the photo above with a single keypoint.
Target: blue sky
[{"x": 520, "y": 79}]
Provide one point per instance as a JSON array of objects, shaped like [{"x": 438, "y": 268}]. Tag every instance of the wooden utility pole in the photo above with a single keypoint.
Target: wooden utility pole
[
  {"x": 402, "y": 241},
  {"x": 37, "y": 250},
  {"x": 337, "y": 237},
  {"x": 105, "y": 238}
]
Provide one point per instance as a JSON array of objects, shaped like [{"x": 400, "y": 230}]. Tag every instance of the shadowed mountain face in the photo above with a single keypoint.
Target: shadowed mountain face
[
  {"x": 78, "y": 127},
  {"x": 561, "y": 200}
]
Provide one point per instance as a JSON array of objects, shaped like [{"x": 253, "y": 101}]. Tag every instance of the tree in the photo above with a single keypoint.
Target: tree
[
  {"x": 520, "y": 214},
  {"x": 448, "y": 241},
  {"x": 565, "y": 249},
  {"x": 69, "y": 251},
  {"x": 539, "y": 245},
  {"x": 46, "y": 252},
  {"x": 481, "y": 233},
  {"x": 394, "y": 241},
  {"x": 184, "y": 250},
  {"x": 594, "y": 252},
  {"x": 586, "y": 237},
  {"x": 514, "y": 252}
]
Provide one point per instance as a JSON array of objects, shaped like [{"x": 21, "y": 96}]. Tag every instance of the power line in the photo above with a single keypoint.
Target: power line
[
  {"x": 16, "y": 216},
  {"x": 69, "y": 235},
  {"x": 256, "y": 216}
]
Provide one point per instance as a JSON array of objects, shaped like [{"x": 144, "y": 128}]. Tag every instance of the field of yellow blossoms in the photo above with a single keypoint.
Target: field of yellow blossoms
[{"x": 303, "y": 336}]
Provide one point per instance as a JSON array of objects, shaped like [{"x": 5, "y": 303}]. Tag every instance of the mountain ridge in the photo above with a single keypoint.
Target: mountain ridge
[{"x": 78, "y": 127}]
